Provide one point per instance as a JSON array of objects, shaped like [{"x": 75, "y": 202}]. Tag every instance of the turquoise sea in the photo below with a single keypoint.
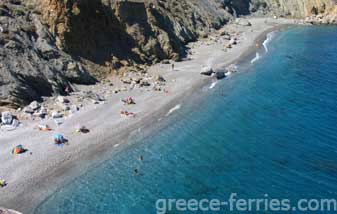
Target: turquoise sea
[{"x": 269, "y": 129}]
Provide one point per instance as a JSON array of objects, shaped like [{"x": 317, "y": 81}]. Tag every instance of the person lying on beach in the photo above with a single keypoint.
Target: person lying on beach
[
  {"x": 44, "y": 128},
  {"x": 129, "y": 101},
  {"x": 126, "y": 113},
  {"x": 82, "y": 129}
]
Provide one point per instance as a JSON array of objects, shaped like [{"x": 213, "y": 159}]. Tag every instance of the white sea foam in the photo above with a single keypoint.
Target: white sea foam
[
  {"x": 266, "y": 42},
  {"x": 213, "y": 84},
  {"x": 175, "y": 108},
  {"x": 257, "y": 57}
]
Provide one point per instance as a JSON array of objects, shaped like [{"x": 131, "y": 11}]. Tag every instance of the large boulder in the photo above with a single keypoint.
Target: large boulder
[{"x": 208, "y": 71}]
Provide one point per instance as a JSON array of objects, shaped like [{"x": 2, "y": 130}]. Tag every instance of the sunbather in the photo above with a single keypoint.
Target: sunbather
[{"x": 129, "y": 101}]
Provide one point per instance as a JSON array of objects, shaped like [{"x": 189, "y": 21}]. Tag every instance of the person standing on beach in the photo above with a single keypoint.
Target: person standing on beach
[{"x": 172, "y": 66}]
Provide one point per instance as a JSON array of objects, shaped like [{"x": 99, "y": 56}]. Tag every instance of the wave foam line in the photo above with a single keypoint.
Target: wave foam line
[
  {"x": 257, "y": 57},
  {"x": 213, "y": 85},
  {"x": 175, "y": 108},
  {"x": 266, "y": 42}
]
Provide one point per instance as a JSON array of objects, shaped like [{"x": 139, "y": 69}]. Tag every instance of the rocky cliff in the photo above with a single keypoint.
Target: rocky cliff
[
  {"x": 47, "y": 45},
  {"x": 31, "y": 65},
  {"x": 114, "y": 34}
]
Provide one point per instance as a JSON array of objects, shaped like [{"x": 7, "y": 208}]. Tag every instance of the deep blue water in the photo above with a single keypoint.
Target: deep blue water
[{"x": 270, "y": 129}]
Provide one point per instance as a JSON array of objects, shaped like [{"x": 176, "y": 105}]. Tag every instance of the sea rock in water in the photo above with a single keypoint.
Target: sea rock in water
[{"x": 208, "y": 71}]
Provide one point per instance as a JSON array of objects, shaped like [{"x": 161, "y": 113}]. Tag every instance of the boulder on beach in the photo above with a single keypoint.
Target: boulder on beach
[
  {"x": 208, "y": 71},
  {"x": 220, "y": 75},
  {"x": 243, "y": 22},
  {"x": 160, "y": 78}
]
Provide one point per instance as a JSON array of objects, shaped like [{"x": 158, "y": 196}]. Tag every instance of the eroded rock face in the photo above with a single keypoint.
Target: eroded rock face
[
  {"x": 47, "y": 44},
  {"x": 288, "y": 8},
  {"x": 123, "y": 33},
  {"x": 31, "y": 65}
]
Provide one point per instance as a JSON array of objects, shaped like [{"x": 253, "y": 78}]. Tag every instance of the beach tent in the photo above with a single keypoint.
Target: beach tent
[{"x": 18, "y": 150}]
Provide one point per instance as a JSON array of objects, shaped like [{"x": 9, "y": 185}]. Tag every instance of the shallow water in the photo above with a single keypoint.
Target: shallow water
[{"x": 270, "y": 129}]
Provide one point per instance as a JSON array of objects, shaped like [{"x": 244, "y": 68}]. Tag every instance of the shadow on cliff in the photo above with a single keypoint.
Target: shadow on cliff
[
  {"x": 101, "y": 32},
  {"x": 238, "y": 7},
  {"x": 96, "y": 34}
]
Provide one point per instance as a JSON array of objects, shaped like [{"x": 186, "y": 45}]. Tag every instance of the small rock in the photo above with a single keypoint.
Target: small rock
[
  {"x": 165, "y": 61},
  {"x": 243, "y": 22},
  {"x": 34, "y": 105},
  {"x": 126, "y": 81},
  {"x": 28, "y": 110},
  {"x": 144, "y": 83},
  {"x": 6, "y": 117},
  {"x": 64, "y": 106},
  {"x": 208, "y": 71},
  {"x": 160, "y": 78},
  {"x": 62, "y": 99}
]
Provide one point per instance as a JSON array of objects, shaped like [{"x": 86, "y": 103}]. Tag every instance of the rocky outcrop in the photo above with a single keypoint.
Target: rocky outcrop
[
  {"x": 31, "y": 65},
  {"x": 45, "y": 45},
  {"x": 114, "y": 34},
  {"x": 287, "y": 8}
]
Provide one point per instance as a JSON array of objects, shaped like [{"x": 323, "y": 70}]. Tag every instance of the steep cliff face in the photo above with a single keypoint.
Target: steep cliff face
[
  {"x": 290, "y": 8},
  {"x": 113, "y": 33},
  {"x": 302, "y": 8},
  {"x": 31, "y": 65}
]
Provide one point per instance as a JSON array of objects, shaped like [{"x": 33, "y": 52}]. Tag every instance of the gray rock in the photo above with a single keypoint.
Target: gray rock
[
  {"x": 56, "y": 114},
  {"x": 6, "y": 118},
  {"x": 243, "y": 22},
  {"x": 144, "y": 83},
  {"x": 34, "y": 105},
  {"x": 208, "y": 71},
  {"x": 62, "y": 100},
  {"x": 28, "y": 110},
  {"x": 31, "y": 64},
  {"x": 160, "y": 78}
]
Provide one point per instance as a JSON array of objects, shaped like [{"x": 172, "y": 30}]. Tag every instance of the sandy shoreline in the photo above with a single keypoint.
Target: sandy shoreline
[{"x": 31, "y": 178}]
